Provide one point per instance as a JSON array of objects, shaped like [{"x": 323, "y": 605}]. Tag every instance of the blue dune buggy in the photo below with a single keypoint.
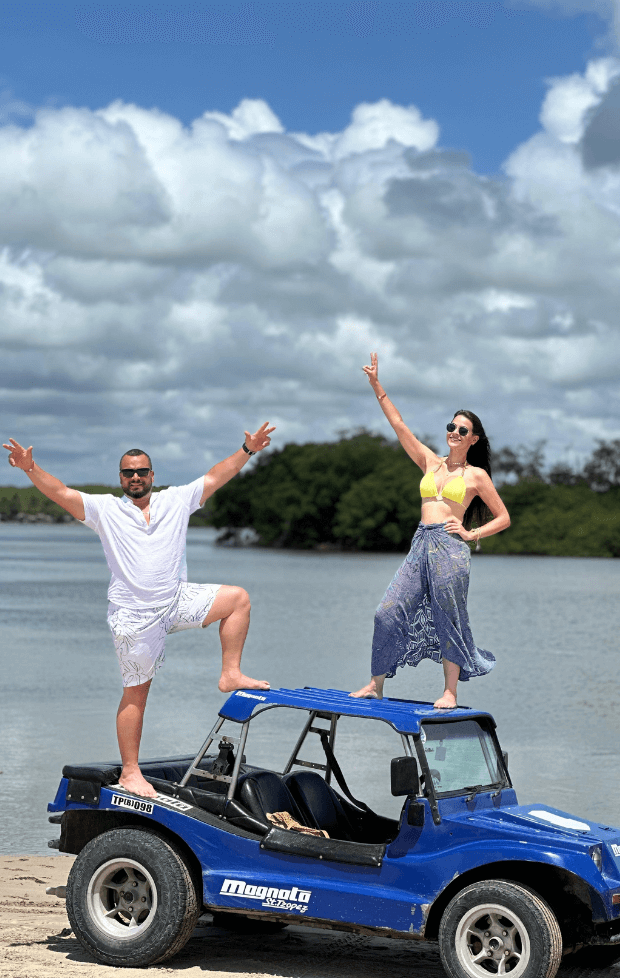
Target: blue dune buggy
[{"x": 503, "y": 888}]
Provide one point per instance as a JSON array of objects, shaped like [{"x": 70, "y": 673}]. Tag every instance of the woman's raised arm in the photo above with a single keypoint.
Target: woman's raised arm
[{"x": 421, "y": 454}]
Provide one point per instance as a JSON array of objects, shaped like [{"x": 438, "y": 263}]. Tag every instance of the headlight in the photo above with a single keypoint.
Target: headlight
[{"x": 597, "y": 857}]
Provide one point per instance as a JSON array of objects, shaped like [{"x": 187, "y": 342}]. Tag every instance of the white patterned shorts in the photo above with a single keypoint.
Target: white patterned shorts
[{"x": 140, "y": 633}]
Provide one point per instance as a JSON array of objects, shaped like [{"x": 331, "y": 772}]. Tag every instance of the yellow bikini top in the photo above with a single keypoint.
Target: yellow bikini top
[{"x": 454, "y": 489}]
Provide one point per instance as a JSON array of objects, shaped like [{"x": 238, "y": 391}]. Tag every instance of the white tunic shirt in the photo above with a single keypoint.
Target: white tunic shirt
[{"x": 146, "y": 560}]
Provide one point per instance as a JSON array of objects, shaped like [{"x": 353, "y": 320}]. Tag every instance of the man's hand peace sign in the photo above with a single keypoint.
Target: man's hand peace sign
[
  {"x": 20, "y": 457},
  {"x": 260, "y": 439}
]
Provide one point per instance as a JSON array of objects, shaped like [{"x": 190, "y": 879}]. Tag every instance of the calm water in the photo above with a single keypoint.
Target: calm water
[{"x": 551, "y": 623}]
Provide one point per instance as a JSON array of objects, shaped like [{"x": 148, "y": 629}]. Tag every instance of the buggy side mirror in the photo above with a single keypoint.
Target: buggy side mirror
[{"x": 405, "y": 779}]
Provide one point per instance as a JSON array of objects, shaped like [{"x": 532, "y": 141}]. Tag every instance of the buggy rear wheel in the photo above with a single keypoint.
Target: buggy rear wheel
[{"x": 131, "y": 899}]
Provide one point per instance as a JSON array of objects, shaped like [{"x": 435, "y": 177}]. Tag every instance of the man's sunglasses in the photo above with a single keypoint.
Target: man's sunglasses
[
  {"x": 463, "y": 431},
  {"x": 127, "y": 473}
]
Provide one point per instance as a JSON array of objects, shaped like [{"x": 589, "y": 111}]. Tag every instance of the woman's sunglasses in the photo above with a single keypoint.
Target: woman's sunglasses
[
  {"x": 463, "y": 431},
  {"x": 127, "y": 473}
]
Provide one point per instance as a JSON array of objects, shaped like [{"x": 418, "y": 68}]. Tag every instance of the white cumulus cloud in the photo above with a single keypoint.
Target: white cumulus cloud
[
  {"x": 565, "y": 109},
  {"x": 171, "y": 286}
]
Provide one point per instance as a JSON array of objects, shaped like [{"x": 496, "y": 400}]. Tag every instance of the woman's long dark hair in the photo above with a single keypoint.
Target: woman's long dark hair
[{"x": 480, "y": 456}]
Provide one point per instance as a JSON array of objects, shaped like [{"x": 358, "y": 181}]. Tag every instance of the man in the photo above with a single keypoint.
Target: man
[{"x": 143, "y": 536}]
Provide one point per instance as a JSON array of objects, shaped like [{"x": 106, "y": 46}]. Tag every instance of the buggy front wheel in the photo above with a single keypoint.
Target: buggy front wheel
[{"x": 498, "y": 927}]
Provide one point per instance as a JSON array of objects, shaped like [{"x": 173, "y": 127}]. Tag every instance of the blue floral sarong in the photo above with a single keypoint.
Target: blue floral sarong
[{"x": 423, "y": 614}]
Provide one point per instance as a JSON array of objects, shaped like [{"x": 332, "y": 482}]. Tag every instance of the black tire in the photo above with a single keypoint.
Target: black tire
[
  {"x": 499, "y": 927},
  {"x": 239, "y": 924},
  {"x": 108, "y": 875}
]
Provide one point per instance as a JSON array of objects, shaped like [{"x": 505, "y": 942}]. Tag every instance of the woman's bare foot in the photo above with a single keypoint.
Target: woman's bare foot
[
  {"x": 446, "y": 702},
  {"x": 373, "y": 691},
  {"x": 230, "y": 681},
  {"x": 136, "y": 783}
]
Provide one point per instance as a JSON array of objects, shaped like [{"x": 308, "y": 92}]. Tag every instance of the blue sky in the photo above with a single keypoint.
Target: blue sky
[
  {"x": 477, "y": 66},
  {"x": 212, "y": 212}
]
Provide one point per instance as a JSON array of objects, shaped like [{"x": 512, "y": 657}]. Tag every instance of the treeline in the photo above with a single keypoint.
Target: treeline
[
  {"x": 565, "y": 512},
  {"x": 28, "y": 505},
  {"x": 362, "y": 493}
]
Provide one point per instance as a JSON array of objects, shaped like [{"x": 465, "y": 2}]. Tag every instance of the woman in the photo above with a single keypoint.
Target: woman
[{"x": 423, "y": 613}]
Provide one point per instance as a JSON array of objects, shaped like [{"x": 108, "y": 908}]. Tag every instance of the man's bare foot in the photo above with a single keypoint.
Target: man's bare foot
[
  {"x": 137, "y": 784},
  {"x": 445, "y": 702},
  {"x": 369, "y": 692},
  {"x": 230, "y": 681}
]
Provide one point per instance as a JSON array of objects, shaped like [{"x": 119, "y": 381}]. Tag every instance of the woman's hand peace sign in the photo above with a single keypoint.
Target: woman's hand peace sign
[{"x": 372, "y": 370}]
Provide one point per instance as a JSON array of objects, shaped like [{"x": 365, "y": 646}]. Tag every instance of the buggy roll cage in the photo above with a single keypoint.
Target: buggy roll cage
[{"x": 327, "y": 736}]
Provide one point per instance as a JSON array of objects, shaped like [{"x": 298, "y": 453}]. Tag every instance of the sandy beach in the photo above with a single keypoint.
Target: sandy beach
[{"x": 36, "y": 942}]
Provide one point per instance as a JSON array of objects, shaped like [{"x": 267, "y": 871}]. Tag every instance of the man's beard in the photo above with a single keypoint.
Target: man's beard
[{"x": 139, "y": 492}]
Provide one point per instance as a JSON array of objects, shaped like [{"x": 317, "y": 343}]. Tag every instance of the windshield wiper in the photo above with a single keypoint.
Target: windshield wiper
[{"x": 477, "y": 788}]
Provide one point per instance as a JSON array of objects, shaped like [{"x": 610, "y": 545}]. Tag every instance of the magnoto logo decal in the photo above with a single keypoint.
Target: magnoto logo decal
[
  {"x": 269, "y": 896},
  {"x": 615, "y": 849}
]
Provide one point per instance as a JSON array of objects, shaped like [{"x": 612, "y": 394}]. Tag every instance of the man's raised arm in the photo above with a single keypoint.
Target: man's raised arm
[
  {"x": 49, "y": 485},
  {"x": 223, "y": 472}
]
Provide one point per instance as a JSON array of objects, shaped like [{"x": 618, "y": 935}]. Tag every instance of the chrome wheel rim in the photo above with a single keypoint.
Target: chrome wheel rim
[
  {"x": 492, "y": 940},
  {"x": 122, "y": 899}
]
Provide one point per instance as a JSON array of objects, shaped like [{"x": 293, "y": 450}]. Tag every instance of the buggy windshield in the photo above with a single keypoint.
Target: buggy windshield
[{"x": 461, "y": 756}]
